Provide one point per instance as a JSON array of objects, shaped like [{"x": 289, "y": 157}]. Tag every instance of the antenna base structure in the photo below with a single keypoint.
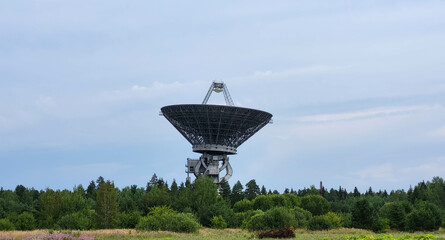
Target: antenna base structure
[{"x": 215, "y": 131}]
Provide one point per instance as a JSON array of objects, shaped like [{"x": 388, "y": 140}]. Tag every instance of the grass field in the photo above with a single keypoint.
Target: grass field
[{"x": 205, "y": 233}]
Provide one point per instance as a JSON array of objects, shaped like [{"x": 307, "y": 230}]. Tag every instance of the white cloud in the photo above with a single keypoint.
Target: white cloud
[
  {"x": 368, "y": 113},
  {"x": 155, "y": 90},
  {"x": 93, "y": 169},
  {"x": 381, "y": 172},
  {"x": 438, "y": 132},
  {"x": 385, "y": 174}
]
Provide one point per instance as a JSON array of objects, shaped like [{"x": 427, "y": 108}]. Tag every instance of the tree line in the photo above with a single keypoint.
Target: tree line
[{"x": 187, "y": 206}]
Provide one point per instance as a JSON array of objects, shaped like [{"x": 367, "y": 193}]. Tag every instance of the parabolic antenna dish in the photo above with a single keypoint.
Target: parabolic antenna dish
[
  {"x": 215, "y": 131},
  {"x": 215, "y": 128}
]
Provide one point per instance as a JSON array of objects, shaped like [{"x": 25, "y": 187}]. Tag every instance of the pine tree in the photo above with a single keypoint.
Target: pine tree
[
  {"x": 224, "y": 190},
  {"x": 263, "y": 190},
  {"x": 356, "y": 192},
  {"x": 252, "y": 190},
  {"x": 237, "y": 193}
]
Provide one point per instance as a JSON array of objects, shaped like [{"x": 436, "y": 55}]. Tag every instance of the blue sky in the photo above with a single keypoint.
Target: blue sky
[{"x": 357, "y": 89}]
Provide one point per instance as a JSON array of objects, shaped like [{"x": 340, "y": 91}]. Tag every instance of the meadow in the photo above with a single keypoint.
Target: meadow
[{"x": 208, "y": 233}]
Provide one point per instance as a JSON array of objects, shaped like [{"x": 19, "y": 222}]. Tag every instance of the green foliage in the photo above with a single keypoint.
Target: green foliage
[
  {"x": 131, "y": 199},
  {"x": 243, "y": 206},
  {"x": 218, "y": 222},
  {"x": 320, "y": 223},
  {"x": 237, "y": 193},
  {"x": 9, "y": 203},
  {"x": 25, "y": 221},
  {"x": 395, "y": 213},
  {"x": 107, "y": 207},
  {"x": 335, "y": 219},
  {"x": 292, "y": 200},
  {"x": 301, "y": 216},
  {"x": 129, "y": 220},
  {"x": 6, "y": 225},
  {"x": 76, "y": 221},
  {"x": 346, "y": 219},
  {"x": 156, "y": 197},
  {"x": 220, "y": 208},
  {"x": 165, "y": 219},
  {"x": 425, "y": 217},
  {"x": 224, "y": 190},
  {"x": 204, "y": 193},
  {"x": 50, "y": 208},
  {"x": 263, "y": 202},
  {"x": 275, "y": 218},
  {"x": 252, "y": 190},
  {"x": 380, "y": 225},
  {"x": 315, "y": 204},
  {"x": 363, "y": 215},
  {"x": 242, "y": 218}
]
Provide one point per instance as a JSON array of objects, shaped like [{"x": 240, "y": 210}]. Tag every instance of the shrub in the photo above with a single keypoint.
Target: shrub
[
  {"x": 301, "y": 216},
  {"x": 346, "y": 219},
  {"x": 221, "y": 207},
  {"x": 286, "y": 232},
  {"x": 243, "y": 206},
  {"x": 165, "y": 219},
  {"x": 280, "y": 200},
  {"x": 334, "y": 219},
  {"x": 6, "y": 225},
  {"x": 76, "y": 221},
  {"x": 320, "y": 223},
  {"x": 25, "y": 221},
  {"x": 315, "y": 204},
  {"x": 244, "y": 217},
  {"x": 293, "y": 200},
  {"x": 129, "y": 220},
  {"x": 275, "y": 218},
  {"x": 263, "y": 202},
  {"x": 425, "y": 217},
  {"x": 218, "y": 222},
  {"x": 380, "y": 225}
]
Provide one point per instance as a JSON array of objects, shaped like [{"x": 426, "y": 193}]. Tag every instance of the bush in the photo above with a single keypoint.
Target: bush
[
  {"x": 380, "y": 225},
  {"x": 165, "y": 219},
  {"x": 286, "y": 232},
  {"x": 346, "y": 219},
  {"x": 262, "y": 202},
  {"x": 25, "y": 221},
  {"x": 315, "y": 204},
  {"x": 293, "y": 200},
  {"x": 334, "y": 219},
  {"x": 320, "y": 223},
  {"x": 218, "y": 222},
  {"x": 129, "y": 220},
  {"x": 222, "y": 208},
  {"x": 275, "y": 218},
  {"x": 76, "y": 221},
  {"x": 301, "y": 216},
  {"x": 244, "y": 217},
  {"x": 425, "y": 217},
  {"x": 280, "y": 200},
  {"x": 243, "y": 206},
  {"x": 6, "y": 225}
]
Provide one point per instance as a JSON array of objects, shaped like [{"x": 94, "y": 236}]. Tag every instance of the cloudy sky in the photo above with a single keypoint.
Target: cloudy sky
[{"x": 357, "y": 89}]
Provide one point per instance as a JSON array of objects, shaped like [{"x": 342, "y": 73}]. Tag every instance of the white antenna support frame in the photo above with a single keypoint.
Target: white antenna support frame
[{"x": 219, "y": 87}]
